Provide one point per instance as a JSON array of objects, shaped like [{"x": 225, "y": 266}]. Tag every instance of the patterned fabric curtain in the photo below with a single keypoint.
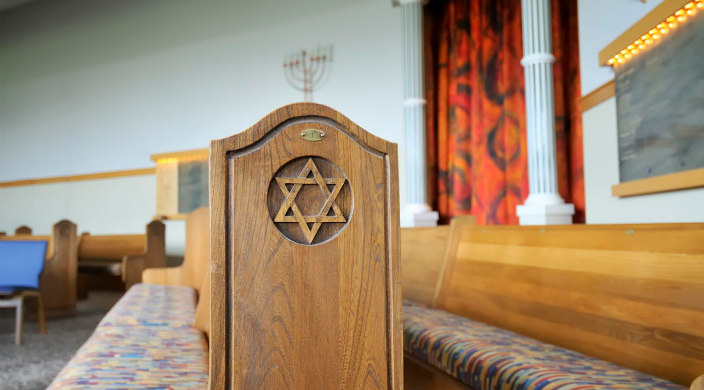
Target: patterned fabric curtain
[{"x": 476, "y": 108}]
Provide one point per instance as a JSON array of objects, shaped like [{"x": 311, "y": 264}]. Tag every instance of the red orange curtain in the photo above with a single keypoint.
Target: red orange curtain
[{"x": 476, "y": 108}]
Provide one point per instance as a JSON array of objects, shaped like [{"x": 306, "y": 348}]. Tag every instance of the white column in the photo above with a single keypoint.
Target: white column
[
  {"x": 417, "y": 211},
  {"x": 544, "y": 206}
]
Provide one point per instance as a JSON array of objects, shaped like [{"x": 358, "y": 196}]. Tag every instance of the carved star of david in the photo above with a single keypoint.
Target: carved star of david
[{"x": 289, "y": 203}]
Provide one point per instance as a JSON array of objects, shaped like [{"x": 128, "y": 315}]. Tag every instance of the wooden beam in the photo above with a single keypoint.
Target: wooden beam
[
  {"x": 84, "y": 177},
  {"x": 597, "y": 96},
  {"x": 670, "y": 182},
  {"x": 194, "y": 154}
]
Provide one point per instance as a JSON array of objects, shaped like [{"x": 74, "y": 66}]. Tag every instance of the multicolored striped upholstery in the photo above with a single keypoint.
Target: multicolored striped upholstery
[
  {"x": 147, "y": 341},
  {"x": 485, "y": 357}
]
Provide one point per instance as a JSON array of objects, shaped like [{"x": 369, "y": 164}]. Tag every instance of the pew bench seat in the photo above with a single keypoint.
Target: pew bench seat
[
  {"x": 485, "y": 357},
  {"x": 147, "y": 340}
]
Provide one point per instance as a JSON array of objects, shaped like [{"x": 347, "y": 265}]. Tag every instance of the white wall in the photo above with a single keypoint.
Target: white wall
[
  {"x": 99, "y": 85},
  {"x": 601, "y": 172},
  {"x": 600, "y": 22}
]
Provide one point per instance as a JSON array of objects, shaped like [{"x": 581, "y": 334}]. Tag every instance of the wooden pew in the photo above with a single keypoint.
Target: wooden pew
[
  {"x": 423, "y": 252},
  {"x": 57, "y": 284},
  {"x": 126, "y": 255},
  {"x": 23, "y": 230},
  {"x": 305, "y": 285},
  {"x": 629, "y": 294},
  {"x": 196, "y": 259}
]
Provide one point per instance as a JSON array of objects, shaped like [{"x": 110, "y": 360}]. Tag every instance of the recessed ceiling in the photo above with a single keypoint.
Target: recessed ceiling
[{"x": 7, "y": 4}]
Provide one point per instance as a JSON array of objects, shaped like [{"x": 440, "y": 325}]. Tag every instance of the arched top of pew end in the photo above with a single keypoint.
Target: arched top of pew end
[
  {"x": 321, "y": 119},
  {"x": 305, "y": 255}
]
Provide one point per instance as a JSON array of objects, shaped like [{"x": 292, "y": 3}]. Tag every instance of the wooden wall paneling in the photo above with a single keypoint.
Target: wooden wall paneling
[
  {"x": 304, "y": 296},
  {"x": 630, "y": 294}
]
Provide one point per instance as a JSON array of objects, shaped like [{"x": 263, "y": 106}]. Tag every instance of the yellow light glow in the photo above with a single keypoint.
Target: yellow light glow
[{"x": 656, "y": 33}]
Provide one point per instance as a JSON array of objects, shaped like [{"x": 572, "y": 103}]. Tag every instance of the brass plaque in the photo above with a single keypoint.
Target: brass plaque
[{"x": 312, "y": 135}]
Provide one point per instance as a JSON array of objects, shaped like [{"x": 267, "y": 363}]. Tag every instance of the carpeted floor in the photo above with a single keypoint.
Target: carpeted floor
[{"x": 35, "y": 363}]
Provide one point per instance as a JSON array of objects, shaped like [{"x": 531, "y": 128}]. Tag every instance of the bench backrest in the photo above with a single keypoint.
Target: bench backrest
[
  {"x": 23, "y": 230},
  {"x": 21, "y": 262},
  {"x": 305, "y": 255},
  {"x": 630, "y": 294},
  {"x": 423, "y": 253},
  {"x": 111, "y": 247}
]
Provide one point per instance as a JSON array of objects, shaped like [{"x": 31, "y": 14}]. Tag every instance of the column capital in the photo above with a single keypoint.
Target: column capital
[
  {"x": 537, "y": 58},
  {"x": 397, "y": 3}
]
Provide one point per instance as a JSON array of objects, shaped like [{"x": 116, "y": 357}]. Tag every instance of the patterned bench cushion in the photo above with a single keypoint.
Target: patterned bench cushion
[
  {"x": 486, "y": 357},
  {"x": 147, "y": 341}
]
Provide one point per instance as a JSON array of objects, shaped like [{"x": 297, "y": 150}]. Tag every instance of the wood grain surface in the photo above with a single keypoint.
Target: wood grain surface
[
  {"x": 23, "y": 230},
  {"x": 153, "y": 256},
  {"x": 630, "y": 294},
  {"x": 196, "y": 259},
  {"x": 422, "y": 255},
  {"x": 289, "y": 315}
]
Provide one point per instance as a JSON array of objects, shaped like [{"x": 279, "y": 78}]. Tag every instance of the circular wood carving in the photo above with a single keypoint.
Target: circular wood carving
[{"x": 310, "y": 200}]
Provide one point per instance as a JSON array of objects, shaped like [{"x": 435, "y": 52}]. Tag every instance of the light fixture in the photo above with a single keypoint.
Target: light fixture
[{"x": 657, "y": 32}]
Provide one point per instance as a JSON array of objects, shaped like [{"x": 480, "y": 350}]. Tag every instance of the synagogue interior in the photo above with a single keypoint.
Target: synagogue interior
[{"x": 352, "y": 195}]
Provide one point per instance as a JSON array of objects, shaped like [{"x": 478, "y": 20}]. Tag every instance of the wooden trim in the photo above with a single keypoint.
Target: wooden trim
[
  {"x": 170, "y": 217},
  {"x": 642, "y": 26},
  {"x": 84, "y": 177},
  {"x": 184, "y": 154},
  {"x": 670, "y": 182},
  {"x": 604, "y": 92}
]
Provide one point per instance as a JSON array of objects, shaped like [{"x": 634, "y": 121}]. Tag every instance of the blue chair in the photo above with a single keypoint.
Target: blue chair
[{"x": 21, "y": 263}]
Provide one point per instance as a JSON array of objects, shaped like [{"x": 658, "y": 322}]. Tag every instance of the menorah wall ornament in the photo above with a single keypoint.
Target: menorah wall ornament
[{"x": 306, "y": 72}]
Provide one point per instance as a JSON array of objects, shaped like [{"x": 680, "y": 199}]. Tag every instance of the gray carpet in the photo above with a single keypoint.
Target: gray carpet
[{"x": 35, "y": 363}]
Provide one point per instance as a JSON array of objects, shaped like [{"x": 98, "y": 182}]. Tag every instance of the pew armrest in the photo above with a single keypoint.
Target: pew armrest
[
  {"x": 698, "y": 383},
  {"x": 169, "y": 276}
]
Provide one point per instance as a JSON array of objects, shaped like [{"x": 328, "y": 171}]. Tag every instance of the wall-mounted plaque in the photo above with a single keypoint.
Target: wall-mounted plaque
[{"x": 659, "y": 83}]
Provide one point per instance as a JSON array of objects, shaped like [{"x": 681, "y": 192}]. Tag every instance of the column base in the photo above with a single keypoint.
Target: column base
[
  {"x": 419, "y": 215},
  {"x": 545, "y": 214}
]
